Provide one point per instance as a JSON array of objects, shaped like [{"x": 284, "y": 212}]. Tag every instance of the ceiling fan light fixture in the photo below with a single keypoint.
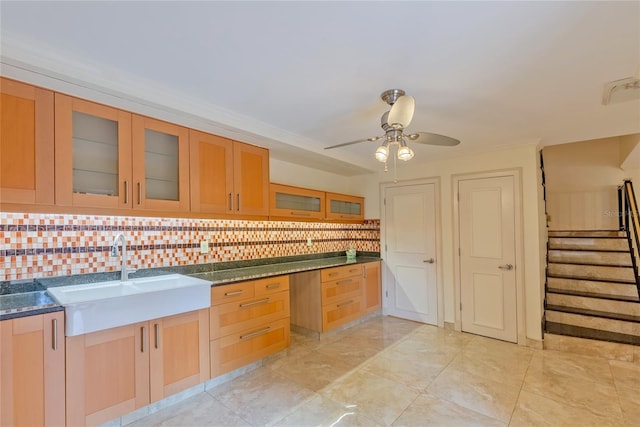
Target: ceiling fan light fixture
[
  {"x": 382, "y": 153},
  {"x": 404, "y": 153}
]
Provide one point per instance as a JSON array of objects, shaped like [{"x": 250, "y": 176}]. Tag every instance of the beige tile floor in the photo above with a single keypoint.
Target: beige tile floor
[{"x": 388, "y": 371}]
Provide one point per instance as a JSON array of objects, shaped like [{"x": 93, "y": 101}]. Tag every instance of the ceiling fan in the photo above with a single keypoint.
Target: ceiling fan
[{"x": 394, "y": 123}]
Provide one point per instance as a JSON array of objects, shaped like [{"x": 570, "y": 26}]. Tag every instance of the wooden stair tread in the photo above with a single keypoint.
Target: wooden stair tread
[
  {"x": 593, "y": 295},
  {"x": 594, "y": 313},
  {"x": 582, "y": 332}
]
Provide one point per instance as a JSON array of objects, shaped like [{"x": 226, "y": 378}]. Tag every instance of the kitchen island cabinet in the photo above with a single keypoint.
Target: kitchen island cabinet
[
  {"x": 32, "y": 370},
  {"x": 115, "y": 371},
  {"x": 249, "y": 321}
]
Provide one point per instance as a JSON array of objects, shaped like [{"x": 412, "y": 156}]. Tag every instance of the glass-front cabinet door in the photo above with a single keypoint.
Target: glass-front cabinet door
[
  {"x": 93, "y": 154},
  {"x": 295, "y": 202},
  {"x": 160, "y": 165},
  {"x": 344, "y": 207}
]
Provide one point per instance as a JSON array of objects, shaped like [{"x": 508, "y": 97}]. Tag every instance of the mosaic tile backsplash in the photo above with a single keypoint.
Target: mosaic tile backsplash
[{"x": 44, "y": 245}]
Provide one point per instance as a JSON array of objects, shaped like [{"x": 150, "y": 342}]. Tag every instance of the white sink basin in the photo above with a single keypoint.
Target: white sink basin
[{"x": 96, "y": 306}]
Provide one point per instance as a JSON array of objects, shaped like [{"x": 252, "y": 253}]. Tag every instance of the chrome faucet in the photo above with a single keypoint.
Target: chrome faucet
[{"x": 124, "y": 274}]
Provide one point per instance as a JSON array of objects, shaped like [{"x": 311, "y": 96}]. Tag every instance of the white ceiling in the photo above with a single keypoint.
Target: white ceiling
[{"x": 300, "y": 76}]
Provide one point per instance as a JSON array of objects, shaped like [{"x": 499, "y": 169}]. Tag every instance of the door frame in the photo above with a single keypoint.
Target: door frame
[
  {"x": 519, "y": 249},
  {"x": 385, "y": 283}
]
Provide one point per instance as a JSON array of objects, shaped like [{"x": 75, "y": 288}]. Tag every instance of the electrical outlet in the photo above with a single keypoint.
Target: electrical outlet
[
  {"x": 309, "y": 242},
  {"x": 204, "y": 247}
]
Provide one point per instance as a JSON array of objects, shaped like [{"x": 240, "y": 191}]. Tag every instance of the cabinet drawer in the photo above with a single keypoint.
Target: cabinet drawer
[
  {"x": 334, "y": 315},
  {"x": 236, "y": 350},
  {"x": 247, "y": 314},
  {"x": 339, "y": 290},
  {"x": 233, "y": 292},
  {"x": 340, "y": 272},
  {"x": 271, "y": 285}
]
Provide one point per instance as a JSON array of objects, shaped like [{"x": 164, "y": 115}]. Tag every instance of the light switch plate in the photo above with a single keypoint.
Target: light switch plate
[{"x": 204, "y": 247}]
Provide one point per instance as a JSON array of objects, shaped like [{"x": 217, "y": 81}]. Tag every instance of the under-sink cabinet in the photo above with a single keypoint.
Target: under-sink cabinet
[
  {"x": 115, "y": 371},
  {"x": 249, "y": 321},
  {"x": 32, "y": 370}
]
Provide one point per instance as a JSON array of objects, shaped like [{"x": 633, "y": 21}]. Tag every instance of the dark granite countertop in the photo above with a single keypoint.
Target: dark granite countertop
[
  {"x": 29, "y": 297},
  {"x": 223, "y": 277},
  {"x": 26, "y": 304}
]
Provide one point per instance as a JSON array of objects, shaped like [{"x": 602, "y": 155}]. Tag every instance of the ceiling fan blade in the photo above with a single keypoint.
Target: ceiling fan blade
[
  {"x": 432, "y": 139},
  {"x": 401, "y": 112},
  {"x": 344, "y": 144}
]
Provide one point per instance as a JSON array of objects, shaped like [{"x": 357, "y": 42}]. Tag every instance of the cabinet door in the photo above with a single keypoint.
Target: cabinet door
[
  {"x": 179, "y": 353},
  {"x": 107, "y": 374},
  {"x": 26, "y": 144},
  {"x": 211, "y": 170},
  {"x": 250, "y": 179},
  {"x": 32, "y": 354},
  {"x": 295, "y": 202},
  {"x": 93, "y": 154},
  {"x": 371, "y": 289},
  {"x": 160, "y": 165},
  {"x": 344, "y": 207}
]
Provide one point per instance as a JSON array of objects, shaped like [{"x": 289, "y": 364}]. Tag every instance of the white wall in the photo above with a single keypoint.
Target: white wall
[
  {"x": 301, "y": 176},
  {"x": 581, "y": 182},
  {"x": 524, "y": 158}
]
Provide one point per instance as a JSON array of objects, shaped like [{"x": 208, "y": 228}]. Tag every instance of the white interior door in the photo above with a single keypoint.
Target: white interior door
[
  {"x": 410, "y": 255},
  {"x": 487, "y": 257}
]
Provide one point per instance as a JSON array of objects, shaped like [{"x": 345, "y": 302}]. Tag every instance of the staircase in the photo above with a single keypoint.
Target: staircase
[{"x": 591, "y": 289}]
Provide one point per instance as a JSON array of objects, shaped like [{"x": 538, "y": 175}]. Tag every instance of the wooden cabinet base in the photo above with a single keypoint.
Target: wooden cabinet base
[{"x": 234, "y": 351}]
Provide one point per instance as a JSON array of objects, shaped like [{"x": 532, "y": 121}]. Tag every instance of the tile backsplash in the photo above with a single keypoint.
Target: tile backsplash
[{"x": 39, "y": 245}]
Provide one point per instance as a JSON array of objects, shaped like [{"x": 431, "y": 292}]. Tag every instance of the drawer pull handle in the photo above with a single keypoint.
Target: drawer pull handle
[
  {"x": 353, "y": 271},
  {"x": 344, "y": 304},
  {"x": 249, "y": 304},
  {"x": 54, "y": 334},
  {"x": 256, "y": 333},
  {"x": 344, "y": 282},
  {"x": 300, "y": 213},
  {"x": 273, "y": 286},
  {"x": 333, "y": 274},
  {"x": 233, "y": 293}
]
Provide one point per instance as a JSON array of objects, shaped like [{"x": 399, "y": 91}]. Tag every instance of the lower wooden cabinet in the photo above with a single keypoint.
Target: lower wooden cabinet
[
  {"x": 32, "y": 380},
  {"x": 249, "y": 320},
  {"x": 115, "y": 371},
  {"x": 372, "y": 287},
  {"x": 322, "y": 300}
]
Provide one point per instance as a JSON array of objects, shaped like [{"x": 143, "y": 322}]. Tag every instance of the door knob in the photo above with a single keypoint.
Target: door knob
[
  {"x": 506, "y": 267},
  {"x": 429, "y": 261}
]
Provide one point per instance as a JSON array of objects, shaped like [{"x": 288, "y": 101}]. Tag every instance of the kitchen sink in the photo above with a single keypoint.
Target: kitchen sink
[{"x": 93, "y": 307}]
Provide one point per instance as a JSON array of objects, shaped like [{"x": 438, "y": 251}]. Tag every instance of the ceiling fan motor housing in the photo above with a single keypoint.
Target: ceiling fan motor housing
[{"x": 391, "y": 96}]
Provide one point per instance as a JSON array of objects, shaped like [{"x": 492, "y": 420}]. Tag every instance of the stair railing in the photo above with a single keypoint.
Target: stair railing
[{"x": 630, "y": 220}]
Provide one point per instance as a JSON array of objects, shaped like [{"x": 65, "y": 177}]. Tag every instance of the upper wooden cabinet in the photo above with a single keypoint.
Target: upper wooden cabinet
[
  {"x": 160, "y": 165},
  {"x": 296, "y": 202},
  {"x": 108, "y": 158},
  {"x": 26, "y": 144},
  {"x": 228, "y": 176},
  {"x": 32, "y": 370},
  {"x": 344, "y": 207}
]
